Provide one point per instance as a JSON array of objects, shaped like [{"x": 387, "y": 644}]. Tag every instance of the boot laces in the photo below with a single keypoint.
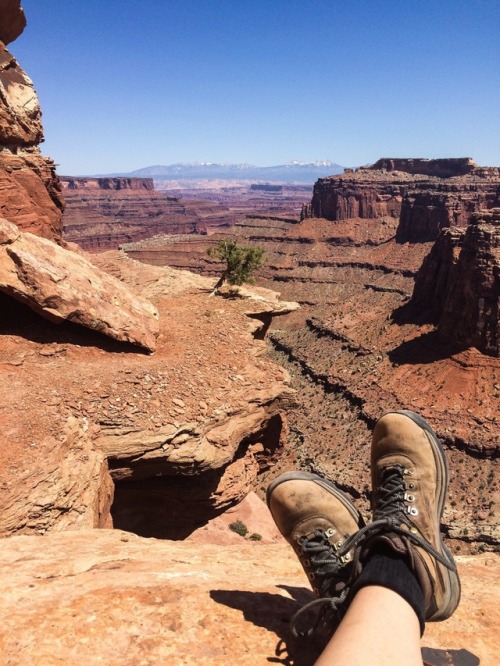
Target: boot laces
[
  {"x": 390, "y": 516},
  {"x": 329, "y": 570}
]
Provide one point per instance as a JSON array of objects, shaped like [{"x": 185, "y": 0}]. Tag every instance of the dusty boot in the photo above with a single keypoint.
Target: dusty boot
[
  {"x": 316, "y": 518},
  {"x": 409, "y": 481}
]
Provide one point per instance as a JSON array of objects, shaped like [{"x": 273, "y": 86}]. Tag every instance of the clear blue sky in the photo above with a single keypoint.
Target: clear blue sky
[{"x": 126, "y": 84}]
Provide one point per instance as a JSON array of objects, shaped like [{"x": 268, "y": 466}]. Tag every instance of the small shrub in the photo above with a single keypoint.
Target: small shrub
[
  {"x": 255, "y": 536},
  {"x": 241, "y": 262},
  {"x": 239, "y": 527}
]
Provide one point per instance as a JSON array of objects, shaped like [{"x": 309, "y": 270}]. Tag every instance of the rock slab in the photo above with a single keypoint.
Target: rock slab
[
  {"x": 62, "y": 285},
  {"x": 110, "y": 597}
]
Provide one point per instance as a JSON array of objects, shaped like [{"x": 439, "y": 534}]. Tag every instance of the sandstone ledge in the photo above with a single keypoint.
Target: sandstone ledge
[{"x": 110, "y": 597}]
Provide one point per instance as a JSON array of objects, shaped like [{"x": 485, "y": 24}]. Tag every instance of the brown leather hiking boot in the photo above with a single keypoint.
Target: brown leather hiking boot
[
  {"x": 409, "y": 482},
  {"x": 316, "y": 518}
]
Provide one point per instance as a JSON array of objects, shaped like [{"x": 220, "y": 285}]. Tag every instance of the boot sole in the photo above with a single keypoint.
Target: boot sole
[
  {"x": 451, "y": 579},
  {"x": 324, "y": 483}
]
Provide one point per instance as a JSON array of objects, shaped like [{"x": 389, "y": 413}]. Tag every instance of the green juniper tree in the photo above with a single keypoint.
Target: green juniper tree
[{"x": 241, "y": 262}]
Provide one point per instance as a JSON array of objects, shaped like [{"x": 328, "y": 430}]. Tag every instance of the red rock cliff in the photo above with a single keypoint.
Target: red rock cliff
[
  {"x": 30, "y": 192},
  {"x": 424, "y": 195},
  {"x": 459, "y": 284}
]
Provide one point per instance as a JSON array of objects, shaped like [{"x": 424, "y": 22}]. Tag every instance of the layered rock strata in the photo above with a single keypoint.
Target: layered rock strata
[
  {"x": 61, "y": 286},
  {"x": 30, "y": 192},
  {"x": 354, "y": 353},
  {"x": 103, "y": 213},
  {"x": 177, "y": 437},
  {"x": 424, "y": 195},
  {"x": 458, "y": 284}
]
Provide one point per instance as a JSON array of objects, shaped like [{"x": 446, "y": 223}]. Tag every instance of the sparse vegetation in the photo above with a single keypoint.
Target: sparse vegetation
[
  {"x": 239, "y": 527},
  {"x": 241, "y": 262},
  {"x": 255, "y": 536}
]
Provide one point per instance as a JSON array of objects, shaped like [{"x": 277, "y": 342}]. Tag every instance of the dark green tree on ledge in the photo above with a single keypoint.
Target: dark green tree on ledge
[{"x": 241, "y": 262}]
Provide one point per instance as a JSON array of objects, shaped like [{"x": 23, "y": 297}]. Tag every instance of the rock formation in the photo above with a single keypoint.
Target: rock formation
[
  {"x": 13, "y": 20},
  {"x": 459, "y": 284},
  {"x": 103, "y": 213},
  {"x": 62, "y": 285},
  {"x": 118, "y": 183},
  {"x": 424, "y": 195},
  {"x": 106, "y": 596},
  {"x": 183, "y": 434},
  {"x": 30, "y": 192}
]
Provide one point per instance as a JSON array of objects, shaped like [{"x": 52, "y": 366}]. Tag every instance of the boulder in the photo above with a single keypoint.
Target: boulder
[{"x": 61, "y": 285}]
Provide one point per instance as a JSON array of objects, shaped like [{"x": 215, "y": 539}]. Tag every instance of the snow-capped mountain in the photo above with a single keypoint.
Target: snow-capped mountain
[{"x": 291, "y": 172}]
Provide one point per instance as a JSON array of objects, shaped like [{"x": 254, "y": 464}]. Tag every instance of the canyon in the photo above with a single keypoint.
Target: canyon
[
  {"x": 103, "y": 213},
  {"x": 368, "y": 338},
  {"x": 138, "y": 414}
]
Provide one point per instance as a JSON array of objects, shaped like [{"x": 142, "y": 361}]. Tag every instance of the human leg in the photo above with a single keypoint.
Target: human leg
[
  {"x": 409, "y": 481},
  {"x": 407, "y": 573},
  {"x": 379, "y": 628}
]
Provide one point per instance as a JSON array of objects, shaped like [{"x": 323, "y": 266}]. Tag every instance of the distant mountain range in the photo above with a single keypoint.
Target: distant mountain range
[{"x": 291, "y": 172}]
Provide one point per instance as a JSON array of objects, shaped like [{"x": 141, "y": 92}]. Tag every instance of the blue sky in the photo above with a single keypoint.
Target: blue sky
[{"x": 126, "y": 84}]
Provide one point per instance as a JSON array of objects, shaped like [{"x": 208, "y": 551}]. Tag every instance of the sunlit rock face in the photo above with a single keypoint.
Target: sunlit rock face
[
  {"x": 424, "y": 195},
  {"x": 30, "y": 192}
]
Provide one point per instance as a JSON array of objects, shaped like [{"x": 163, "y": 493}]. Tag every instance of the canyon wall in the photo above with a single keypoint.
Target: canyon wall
[
  {"x": 107, "y": 183},
  {"x": 103, "y": 213},
  {"x": 458, "y": 284},
  {"x": 424, "y": 195},
  {"x": 30, "y": 191}
]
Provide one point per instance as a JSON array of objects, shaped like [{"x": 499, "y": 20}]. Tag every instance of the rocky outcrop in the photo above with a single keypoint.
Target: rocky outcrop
[
  {"x": 353, "y": 353},
  {"x": 106, "y": 596},
  {"x": 13, "y": 20},
  {"x": 436, "y": 274},
  {"x": 178, "y": 436},
  {"x": 471, "y": 311},
  {"x": 424, "y": 195},
  {"x": 61, "y": 285},
  {"x": 458, "y": 284},
  {"x": 103, "y": 213},
  {"x": 440, "y": 168},
  {"x": 30, "y": 193}
]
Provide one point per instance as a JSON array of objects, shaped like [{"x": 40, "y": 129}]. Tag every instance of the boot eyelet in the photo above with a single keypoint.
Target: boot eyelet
[
  {"x": 412, "y": 510},
  {"x": 411, "y": 486},
  {"x": 409, "y": 498},
  {"x": 329, "y": 532},
  {"x": 338, "y": 544},
  {"x": 311, "y": 576},
  {"x": 346, "y": 557}
]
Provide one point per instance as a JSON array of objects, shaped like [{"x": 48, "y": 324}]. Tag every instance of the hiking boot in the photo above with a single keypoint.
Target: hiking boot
[
  {"x": 409, "y": 482},
  {"x": 316, "y": 518}
]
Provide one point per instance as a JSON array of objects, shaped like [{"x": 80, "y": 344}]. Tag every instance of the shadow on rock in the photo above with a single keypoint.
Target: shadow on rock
[
  {"x": 18, "y": 319},
  {"x": 274, "y": 612},
  {"x": 433, "y": 657},
  {"x": 426, "y": 348}
]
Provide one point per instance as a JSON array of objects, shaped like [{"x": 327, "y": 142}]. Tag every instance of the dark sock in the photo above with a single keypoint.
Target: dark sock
[{"x": 388, "y": 569}]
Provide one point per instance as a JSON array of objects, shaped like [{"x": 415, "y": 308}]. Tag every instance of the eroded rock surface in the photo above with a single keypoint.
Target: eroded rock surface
[
  {"x": 105, "y": 596},
  {"x": 62, "y": 285},
  {"x": 30, "y": 192},
  {"x": 458, "y": 284},
  {"x": 424, "y": 195},
  {"x": 184, "y": 432},
  {"x": 353, "y": 353}
]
